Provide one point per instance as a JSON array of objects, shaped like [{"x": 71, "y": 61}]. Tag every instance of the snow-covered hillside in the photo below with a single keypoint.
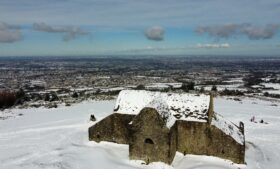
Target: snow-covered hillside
[{"x": 57, "y": 138}]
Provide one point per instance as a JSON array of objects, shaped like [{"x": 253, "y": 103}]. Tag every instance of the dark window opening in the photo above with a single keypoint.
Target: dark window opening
[
  {"x": 98, "y": 136},
  {"x": 149, "y": 141}
]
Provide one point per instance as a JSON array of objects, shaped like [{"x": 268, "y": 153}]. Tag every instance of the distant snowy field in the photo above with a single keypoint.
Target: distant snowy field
[{"x": 57, "y": 139}]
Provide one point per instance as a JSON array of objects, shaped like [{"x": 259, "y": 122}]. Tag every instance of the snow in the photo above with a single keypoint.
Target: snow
[
  {"x": 38, "y": 83},
  {"x": 51, "y": 138},
  {"x": 228, "y": 128},
  {"x": 157, "y": 86},
  {"x": 231, "y": 87},
  {"x": 272, "y": 91},
  {"x": 257, "y": 86},
  {"x": 262, "y": 140},
  {"x": 235, "y": 86},
  {"x": 275, "y": 88},
  {"x": 81, "y": 89},
  {"x": 112, "y": 89},
  {"x": 163, "y": 85},
  {"x": 235, "y": 80},
  {"x": 272, "y": 85},
  {"x": 189, "y": 107},
  {"x": 58, "y": 139}
]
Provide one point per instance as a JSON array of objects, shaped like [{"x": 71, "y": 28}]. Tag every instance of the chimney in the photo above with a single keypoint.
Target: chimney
[
  {"x": 211, "y": 108},
  {"x": 241, "y": 127}
]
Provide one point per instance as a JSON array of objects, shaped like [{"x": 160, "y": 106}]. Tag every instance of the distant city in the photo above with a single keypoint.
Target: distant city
[{"x": 48, "y": 81}]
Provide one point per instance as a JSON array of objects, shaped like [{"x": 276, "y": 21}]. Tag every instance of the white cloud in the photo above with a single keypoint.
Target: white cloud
[
  {"x": 69, "y": 32},
  {"x": 155, "y": 33},
  {"x": 253, "y": 32},
  {"x": 134, "y": 13},
  {"x": 213, "y": 45},
  {"x": 9, "y": 33}
]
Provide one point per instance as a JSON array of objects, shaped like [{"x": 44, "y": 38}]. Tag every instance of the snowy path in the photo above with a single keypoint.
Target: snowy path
[{"x": 57, "y": 139}]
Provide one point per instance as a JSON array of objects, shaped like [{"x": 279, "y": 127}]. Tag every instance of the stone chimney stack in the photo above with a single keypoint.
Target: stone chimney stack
[{"x": 211, "y": 108}]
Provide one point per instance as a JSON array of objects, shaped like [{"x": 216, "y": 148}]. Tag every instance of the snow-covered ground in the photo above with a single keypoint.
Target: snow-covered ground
[
  {"x": 157, "y": 86},
  {"x": 57, "y": 138},
  {"x": 239, "y": 87},
  {"x": 275, "y": 88}
]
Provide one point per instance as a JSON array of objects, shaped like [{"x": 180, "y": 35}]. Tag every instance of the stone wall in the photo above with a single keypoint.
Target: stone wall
[
  {"x": 224, "y": 146},
  {"x": 113, "y": 128},
  {"x": 192, "y": 137},
  {"x": 204, "y": 139},
  {"x": 150, "y": 138},
  {"x": 173, "y": 142}
]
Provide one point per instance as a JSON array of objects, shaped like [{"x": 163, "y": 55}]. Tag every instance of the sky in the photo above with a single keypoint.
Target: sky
[{"x": 139, "y": 27}]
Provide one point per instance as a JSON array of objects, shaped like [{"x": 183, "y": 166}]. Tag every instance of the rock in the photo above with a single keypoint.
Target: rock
[
  {"x": 236, "y": 99},
  {"x": 177, "y": 116},
  {"x": 92, "y": 117},
  {"x": 49, "y": 106}
]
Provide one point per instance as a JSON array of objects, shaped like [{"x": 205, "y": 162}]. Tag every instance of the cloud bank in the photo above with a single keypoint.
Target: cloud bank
[
  {"x": 9, "y": 33},
  {"x": 134, "y": 13},
  {"x": 155, "y": 33},
  {"x": 69, "y": 32},
  {"x": 212, "y": 46},
  {"x": 233, "y": 30}
]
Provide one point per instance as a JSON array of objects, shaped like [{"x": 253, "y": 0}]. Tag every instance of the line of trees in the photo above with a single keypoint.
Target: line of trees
[{"x": 9, "y": 99}]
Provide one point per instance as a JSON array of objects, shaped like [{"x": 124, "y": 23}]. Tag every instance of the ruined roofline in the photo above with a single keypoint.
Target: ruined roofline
[
  {"x": 229, "y": 128},
  {"x": 226, "y": 126},
  {"x": 173, "y": 106}
]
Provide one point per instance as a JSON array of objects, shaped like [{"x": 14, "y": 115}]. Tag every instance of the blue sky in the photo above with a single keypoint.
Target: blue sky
[{"x": 128, "y": 27}]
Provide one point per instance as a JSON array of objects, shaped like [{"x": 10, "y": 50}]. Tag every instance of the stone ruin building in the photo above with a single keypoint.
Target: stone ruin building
[{"x": 155, "y": 125}]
